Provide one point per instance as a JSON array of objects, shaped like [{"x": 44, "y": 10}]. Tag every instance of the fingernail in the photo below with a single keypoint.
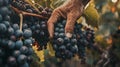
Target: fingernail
[{"x": 69, "y": 35}]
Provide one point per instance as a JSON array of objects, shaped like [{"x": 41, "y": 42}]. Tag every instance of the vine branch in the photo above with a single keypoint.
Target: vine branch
[{"x": 27, "y": 13}]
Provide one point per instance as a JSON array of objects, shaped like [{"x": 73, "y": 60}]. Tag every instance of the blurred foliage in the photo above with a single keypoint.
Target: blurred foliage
[{"x": 101, "y": 41}]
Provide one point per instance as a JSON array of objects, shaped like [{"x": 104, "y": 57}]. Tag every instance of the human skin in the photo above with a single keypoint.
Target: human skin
[{"x": 70, "y": 10}]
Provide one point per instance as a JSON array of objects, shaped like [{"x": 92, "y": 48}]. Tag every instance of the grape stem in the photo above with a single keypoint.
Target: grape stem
[
  {"x": 21, "y": 21},
  {"x": 27, "y": 13}
]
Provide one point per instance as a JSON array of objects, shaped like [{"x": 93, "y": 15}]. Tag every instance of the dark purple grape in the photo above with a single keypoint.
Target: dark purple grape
[
  {"x": 62, "y": 35},
  {"x": 60, "y": 41},
  {"x": 16, "y": 53},
  {"x": 15, "y": 26},
  {"x": 68, "y": 54},
  {"x": 18, "y": 44},
  {"x": 61, "y": 30},
  {"x": 44, "y": 13},
  {"x": 11, "y": 44},
  {"x": 13, "y": 38},
  {"x": 46, "y": 9},
  {"x": 28, "y": 42},
  {"x": 29, "y": 10},
  {"x": 3, "y": 28},
  {"x": 42, "y": 33},
  {"x": 25, "y": 26},
  {"x": 6, "y": 23},
  {"x": 44, "y": 26},
  {"x": 30, "y": 51},
  {"x": 10, "y": 31},
  {"x": 73, "y": 41},
  {"x": 22, "y": 59},
  {"x": 7, "y": 18},
  {"x": 74, "y": 49},
  {"x": 62, "y": 48},
  {"x": 29, "y": 59},
  {"x": 33, "y": 28},
  {"x": 4, "y": 11},
  {"x": 12, "y": 61},
  {"x": 40, "y": 8},
  {"x": 37, "y": 26},
  {"x": 27, "y": 33},
  {"x": 4, "y": 42},
  {"x": 24, "y": 50},
  {"x": 56, "y": 29},
  {"x": 18, "y": 33},
  {"x": 66, "y": 39},
  {"x": 6, "y": 2},
  {"x": 64, "y": 22},
  {"x": 68, "y": 45}
]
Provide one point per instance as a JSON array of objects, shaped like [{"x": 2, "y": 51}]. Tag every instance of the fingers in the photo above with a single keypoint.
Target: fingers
[
  {"x": 71, "y": 19},
  {"x": 51, "y": 29},
  {"x": 52, "y": 20},
  {"x": 69, "y": 27}
]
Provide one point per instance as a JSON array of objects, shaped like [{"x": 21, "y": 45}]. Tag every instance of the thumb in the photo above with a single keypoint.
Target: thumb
[{"x": 69, "y": 28}]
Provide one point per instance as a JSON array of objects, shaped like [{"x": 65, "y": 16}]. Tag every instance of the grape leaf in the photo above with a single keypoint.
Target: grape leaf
[{"x": 91, "y": 15}]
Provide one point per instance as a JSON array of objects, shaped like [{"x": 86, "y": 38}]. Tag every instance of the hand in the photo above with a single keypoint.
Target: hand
[{"x": 70, "y": 10}]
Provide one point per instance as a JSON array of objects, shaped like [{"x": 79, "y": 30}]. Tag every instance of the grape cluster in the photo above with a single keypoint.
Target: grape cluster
[
  {"x": 45, "y": 11},
  {"x": 64, "y": 47},
  {"x": 24, "y": 6},
  {"x": 40, "y": 33},
  {"x": 38, "y": 27},
  {"x": 15, "y": 45},
  {"x": 85, "y": 38}
]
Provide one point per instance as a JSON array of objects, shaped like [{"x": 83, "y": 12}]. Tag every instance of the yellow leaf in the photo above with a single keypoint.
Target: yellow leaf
[
  {"x": 91, "y": 15},
  {"x": 40, "y": 54},
  {"x": 80, "y": 20},
  {"x": 99, "y": 38},
  {"x": 50, "y": 49}
]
